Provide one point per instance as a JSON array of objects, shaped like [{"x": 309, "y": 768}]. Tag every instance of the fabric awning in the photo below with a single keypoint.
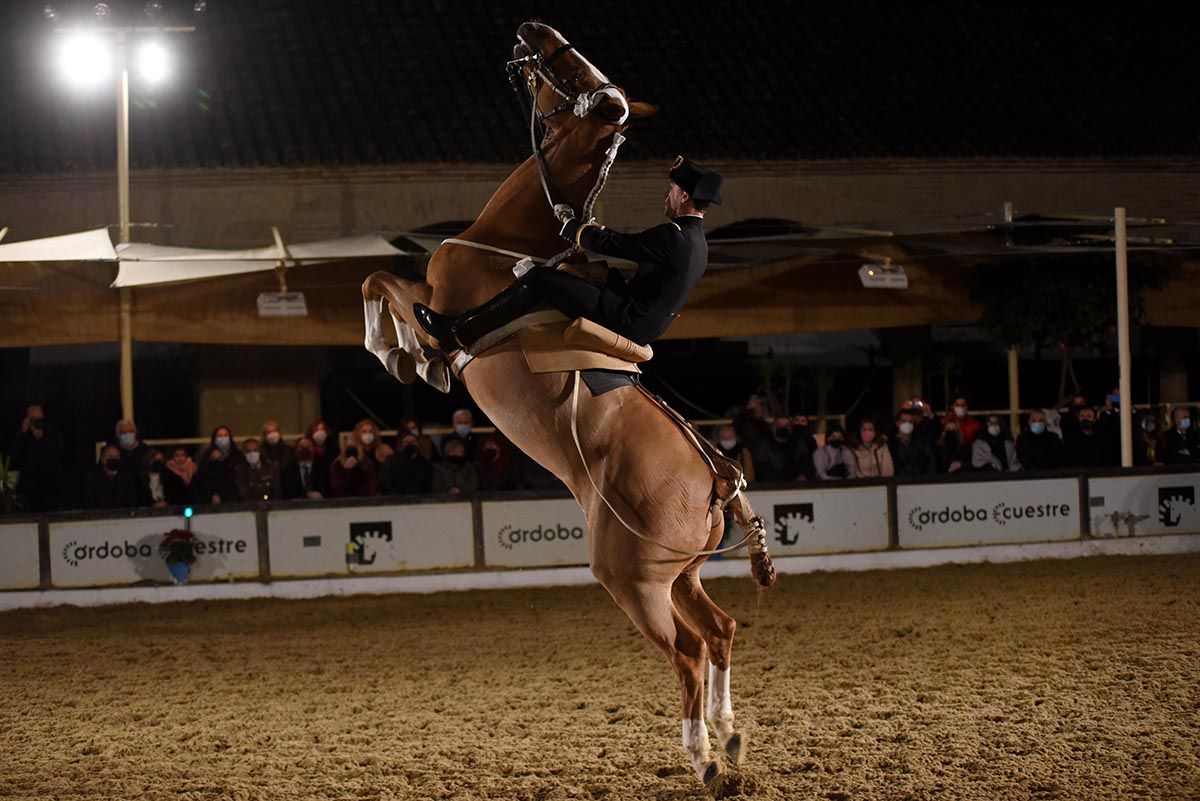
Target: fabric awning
[{"x": 83, "y": 246}]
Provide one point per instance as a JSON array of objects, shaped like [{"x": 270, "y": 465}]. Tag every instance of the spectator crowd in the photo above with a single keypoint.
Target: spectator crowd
[
  {"x": 918, "y": 441},
  {"x": 784, "y": 448}
]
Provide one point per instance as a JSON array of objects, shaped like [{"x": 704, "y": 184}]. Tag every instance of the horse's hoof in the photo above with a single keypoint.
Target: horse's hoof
[
  {"x": 735, "y": 748},
  {"x": 711, "y": 771},
  {"x": 402, "y": 365}
]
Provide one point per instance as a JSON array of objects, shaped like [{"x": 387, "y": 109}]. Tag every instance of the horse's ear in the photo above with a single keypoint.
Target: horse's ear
[{"x": 639, "y": 109}]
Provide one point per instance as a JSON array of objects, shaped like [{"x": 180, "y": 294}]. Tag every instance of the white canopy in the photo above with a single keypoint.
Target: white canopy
[
  {"x": 84, "y": 246},
  {"x": 142, "y": 265}
]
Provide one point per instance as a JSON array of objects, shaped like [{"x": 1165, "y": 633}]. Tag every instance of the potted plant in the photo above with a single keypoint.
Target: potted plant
[
  {"x": 178, "y": 549},
  {"x": 9, "y": 502}
]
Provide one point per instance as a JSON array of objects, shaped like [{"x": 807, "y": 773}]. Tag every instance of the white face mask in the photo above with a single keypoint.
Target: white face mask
[
  {"x": 367, "y": 438},
  {"x": 906, "y": 427},
  {"x": 223, "y": 443},
  {"x": 1185, "y": 423},
  {"x": 728, "y": 444},
  {"x": 273, "y": 438},
  {"x": 252, "y": 458},
  {"x": 127, "y": 440},
  {"x": 994, "y": 430},
  {"x": 960, "y": 411},
  {"x": 319, "y": 437},
  {"x": 463, "y": 431}
]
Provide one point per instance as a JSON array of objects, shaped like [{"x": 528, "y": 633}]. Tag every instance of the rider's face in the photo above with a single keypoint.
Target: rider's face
[{"x": 674, "y": 199}]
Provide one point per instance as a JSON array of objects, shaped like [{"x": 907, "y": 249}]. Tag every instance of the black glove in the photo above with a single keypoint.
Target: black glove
[{"x": 569, "y": 229}]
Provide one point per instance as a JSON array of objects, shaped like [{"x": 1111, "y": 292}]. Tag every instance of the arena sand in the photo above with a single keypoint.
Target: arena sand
[{"x": 1051, "y": 680}]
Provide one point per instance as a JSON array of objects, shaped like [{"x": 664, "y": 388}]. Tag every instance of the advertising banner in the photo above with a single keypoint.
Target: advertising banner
[
  {"x": 370, "y": 539},
  {"x": 1134, "y": 505},
  {"x": 92, "y": 553},
  {"x": 19, "y": 567},
  {"x": 821, "y": 520},
  {"x": 534, "y": 533},
  {"x": 987, "y": 512}
]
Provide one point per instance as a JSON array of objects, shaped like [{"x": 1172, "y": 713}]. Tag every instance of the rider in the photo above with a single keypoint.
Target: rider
[{"x": 671, "y": 258}]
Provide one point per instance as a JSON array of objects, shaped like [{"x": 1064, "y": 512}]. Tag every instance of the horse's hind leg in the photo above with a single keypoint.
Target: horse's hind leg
[
  {"x": 649, "y": 606},
  {"x": 717, "y": 629}
]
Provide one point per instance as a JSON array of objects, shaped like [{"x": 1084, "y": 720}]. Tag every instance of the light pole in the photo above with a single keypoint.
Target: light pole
[{"x": 84, "y": 60}]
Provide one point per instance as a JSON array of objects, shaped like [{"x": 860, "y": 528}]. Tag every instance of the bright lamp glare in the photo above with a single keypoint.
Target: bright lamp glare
[
  {"x": 85, "y": 58},
  {"x": 153, "y": 62}
]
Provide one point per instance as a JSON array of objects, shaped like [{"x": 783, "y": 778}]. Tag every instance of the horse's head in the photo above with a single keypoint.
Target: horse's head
[{"x": 562, "y": 82}]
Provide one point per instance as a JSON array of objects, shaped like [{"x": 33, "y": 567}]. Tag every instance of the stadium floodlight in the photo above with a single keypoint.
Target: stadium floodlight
[
  {"x": 153, "y": 63},
  {"x": 883, "y": 276},
  {"x": 86, "y": 59}
]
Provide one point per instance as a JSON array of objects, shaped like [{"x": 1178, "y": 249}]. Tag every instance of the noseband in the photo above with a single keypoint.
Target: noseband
[{"x": 580, "y": 102}]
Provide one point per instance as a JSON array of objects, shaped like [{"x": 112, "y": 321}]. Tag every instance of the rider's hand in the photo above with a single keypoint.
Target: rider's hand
[{"x": 569, "y": 229}]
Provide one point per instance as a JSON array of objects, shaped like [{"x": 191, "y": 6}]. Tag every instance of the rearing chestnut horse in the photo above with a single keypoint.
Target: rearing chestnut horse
[{"x": 647, "y": 470}]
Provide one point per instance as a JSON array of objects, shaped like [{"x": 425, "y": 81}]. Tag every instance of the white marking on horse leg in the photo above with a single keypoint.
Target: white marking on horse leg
[
  {"x": 375, "y": 341},
  {"x": 695, "y": 742},
  {"x": 720, "y": 704}
]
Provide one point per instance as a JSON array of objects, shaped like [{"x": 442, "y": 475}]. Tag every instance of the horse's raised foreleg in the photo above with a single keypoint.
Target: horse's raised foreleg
[
  {"x": 717, "y": 628},
  {"x": 408, "y": 358}
]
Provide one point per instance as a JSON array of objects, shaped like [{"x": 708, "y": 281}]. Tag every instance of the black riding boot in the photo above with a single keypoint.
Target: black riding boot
[{"x": 467, "y": 328}]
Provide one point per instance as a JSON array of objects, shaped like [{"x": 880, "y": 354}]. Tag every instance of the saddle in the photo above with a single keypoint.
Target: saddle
[{"x": 565, "y": 346}]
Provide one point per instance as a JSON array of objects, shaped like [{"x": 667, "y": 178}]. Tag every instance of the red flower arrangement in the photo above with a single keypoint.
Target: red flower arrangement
[{"x": 178, "y": 546}]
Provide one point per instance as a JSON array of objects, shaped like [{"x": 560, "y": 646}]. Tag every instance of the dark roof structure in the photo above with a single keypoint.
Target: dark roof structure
[{"x": 363, "y": 82}]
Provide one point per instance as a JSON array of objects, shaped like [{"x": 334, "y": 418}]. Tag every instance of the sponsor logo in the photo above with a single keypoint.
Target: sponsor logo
[
  {"x": 1173, "y": 503},
  {"x": 364, "y": 541},
  {"x": 75, "y": 554},
  {"x": 792, "y": 520},
  {"x": 1002, "y": 514},
  {"x": 511, "y": 536}
]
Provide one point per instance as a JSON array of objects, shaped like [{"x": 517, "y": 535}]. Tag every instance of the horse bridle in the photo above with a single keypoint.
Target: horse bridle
[{"x": 580, "y": 102}]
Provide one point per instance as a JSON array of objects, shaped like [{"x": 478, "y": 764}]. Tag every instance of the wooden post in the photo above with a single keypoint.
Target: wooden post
[
  {"x": 1123, "y": 356},
  {"x": 125, "y": 327},
  {"x": 1014, "y": 391}
]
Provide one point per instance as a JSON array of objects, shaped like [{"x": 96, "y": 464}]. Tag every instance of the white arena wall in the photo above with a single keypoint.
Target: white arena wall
[{"x": 308, "y": 549}]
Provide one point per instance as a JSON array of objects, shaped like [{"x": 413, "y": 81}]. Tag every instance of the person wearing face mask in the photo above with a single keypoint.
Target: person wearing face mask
[
  {"x": 183, "y": 466},
  {"x": 158, "y": 487},
  {"x": 108, "y": 486},
  {"x": 1180, "y": 443},
  {"x": 36, "y": 454},
  {"x": 258, "y": 479},
  {"x": 324, "y": 447},
  {"x": 455, "y": 474},
  {"x": 732, "y": 448},
  {"x": 952, "y": 453},
  {"x": 301, "y": 477},
  {"x": 429, "y": 451},
  {"x": 776, "y": 458},
  {"x": 1145, "y": 439},
  {"x": 214, "y": 482},
  {"x": 370, "y": 445},
  {"x": 911, "y": 455},
  {"x": 407, "y": 471},
  {"x": 994, "y": 449},
  {"x": 272, "y": 447},
  {"x": 133, "y": 450},
  {"x": 462, "y": 421},
  {"x": 498, "y": 471},
  {"x": 833, "y": 461},
  {"x": 353, "y": 475},
  {"x": 1079, "y": 439},
  {"x": 872, "y": 459},
  {"x": 222, "y": 441},
  {"x": 1038, "y": 448},
  {"x": 968, "y": 427}
]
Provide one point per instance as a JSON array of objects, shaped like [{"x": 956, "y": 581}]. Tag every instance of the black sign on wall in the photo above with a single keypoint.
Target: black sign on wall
[{"x": 363, "y": 536}]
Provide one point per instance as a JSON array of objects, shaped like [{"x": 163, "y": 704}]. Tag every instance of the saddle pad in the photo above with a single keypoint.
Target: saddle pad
[
  {"x": 545, "y": 352},
  {"x": 601, "y": 381}
]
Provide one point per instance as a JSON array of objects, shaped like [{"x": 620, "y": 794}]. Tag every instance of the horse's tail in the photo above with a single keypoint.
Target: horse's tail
[{"x": 761, "y": 566}]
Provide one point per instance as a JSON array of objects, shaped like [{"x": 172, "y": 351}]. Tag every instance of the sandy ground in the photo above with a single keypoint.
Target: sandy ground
[{"x": 1053, "y": 680}]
